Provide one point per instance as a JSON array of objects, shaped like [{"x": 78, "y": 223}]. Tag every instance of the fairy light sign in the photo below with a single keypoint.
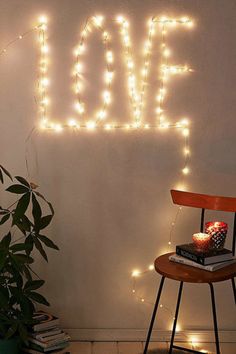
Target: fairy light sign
[{"x": 137, "y": 94}]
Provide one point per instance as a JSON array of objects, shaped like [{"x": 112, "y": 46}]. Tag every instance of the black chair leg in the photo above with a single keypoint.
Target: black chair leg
[
  {"x": 234, "y": 289},
  {"x": 154, "y": 315},
  {"x": 176, "y": 317},
  {"x": 215, "y": 319}
]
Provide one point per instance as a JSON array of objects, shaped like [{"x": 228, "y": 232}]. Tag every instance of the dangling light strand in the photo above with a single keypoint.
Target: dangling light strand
[{"x": 19, "y": 38}]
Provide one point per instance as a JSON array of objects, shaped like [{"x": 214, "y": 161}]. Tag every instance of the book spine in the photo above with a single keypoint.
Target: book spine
[
  {"x": 190, "y": 263},
  {"x": 186, "y": 254}
]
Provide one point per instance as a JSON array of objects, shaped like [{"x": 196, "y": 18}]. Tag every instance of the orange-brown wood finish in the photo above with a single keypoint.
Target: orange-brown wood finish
[
  {"x": 203, "y": 201},
  {"x": 189, "y": 274}
]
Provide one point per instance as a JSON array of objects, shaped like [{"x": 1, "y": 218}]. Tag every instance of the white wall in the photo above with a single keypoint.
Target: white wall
[{"x": 111, "y": 191}]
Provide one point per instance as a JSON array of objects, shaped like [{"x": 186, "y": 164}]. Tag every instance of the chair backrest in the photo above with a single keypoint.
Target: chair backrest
[{"x": 204, "y": 201}]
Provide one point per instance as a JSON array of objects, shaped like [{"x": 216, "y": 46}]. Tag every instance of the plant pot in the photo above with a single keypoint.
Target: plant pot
[{"x": 8, "y": 346}]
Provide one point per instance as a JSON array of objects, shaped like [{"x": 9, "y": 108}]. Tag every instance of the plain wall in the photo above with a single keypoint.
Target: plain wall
[{"x": 111, "y": 190}]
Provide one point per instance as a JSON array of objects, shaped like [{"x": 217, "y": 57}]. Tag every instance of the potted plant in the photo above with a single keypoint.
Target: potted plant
[{"x": 23, "y": 223}]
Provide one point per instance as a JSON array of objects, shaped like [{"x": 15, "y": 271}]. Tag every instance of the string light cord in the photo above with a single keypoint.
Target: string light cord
[{"x": 18, "y": 38}]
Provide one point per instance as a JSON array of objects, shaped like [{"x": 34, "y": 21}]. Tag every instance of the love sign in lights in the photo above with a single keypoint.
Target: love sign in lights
[
  {"x": 136, "y": 94},
  {"x": 136, "y": 89}
]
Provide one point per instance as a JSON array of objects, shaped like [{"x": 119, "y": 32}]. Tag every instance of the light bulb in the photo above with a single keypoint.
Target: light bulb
[
  {"x": 44, "y": 49},
  {"x": 185, "y": 132},
  {"x": 120, "y": 19},
  {"x": 135, "y": 273},
  {"x": 91, "y": 125},
  {"x": 43, "y": 19},
  {"x": 72, "y": 123},
  {"x": 58, "y": 128},
  {"x": 185, "y": 170}
]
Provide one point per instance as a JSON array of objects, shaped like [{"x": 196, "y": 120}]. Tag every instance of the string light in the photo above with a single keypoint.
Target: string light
[
  {"x": 43, "y": 79},
  {"x": 94, "y": 22},
  {"x": 136, "y": 96}
]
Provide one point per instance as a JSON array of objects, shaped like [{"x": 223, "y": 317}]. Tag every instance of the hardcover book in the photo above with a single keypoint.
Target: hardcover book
[
  {"x": 209, "y": 268},
  {"x": 45, "y": 321},
  {"x": 189, "y": 251}
]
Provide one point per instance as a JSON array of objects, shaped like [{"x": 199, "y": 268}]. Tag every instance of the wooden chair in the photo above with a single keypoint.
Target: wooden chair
[{"x": 183, "y": 273}]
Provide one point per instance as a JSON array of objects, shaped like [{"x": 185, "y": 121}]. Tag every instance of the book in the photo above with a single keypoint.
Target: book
[
  {"x": 47, "y": 333},
  {"x": 51, "y": 343},
  {"x": 205, "y": 258},
  {"x": 210, "y": 268},
  {"x": 38, "y": 349},
  {"x": 45, "y": 321},
  {"x": 33, "y": 351},
  {"x": 51, "y": 338}
]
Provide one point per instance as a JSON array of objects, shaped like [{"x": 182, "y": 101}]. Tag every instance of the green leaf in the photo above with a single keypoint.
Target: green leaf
[
  {"x": 3, "y": 258},
  {"x": 36, "y": 211},
  {"x": 4, "y": 297},
  {"x": 27, "y": 273},
  {"x": 4, "y": 219},
  {"x": 23, "y": 332},
  {"x": 21, "y": 207},
  {"x": 17, "y": 189},
  {"x": 23, "y": 224},
  {"x": 22, "y": 181},
  {"x": 38, "y": 298},
  {"x": 6, "y": 172},
  {"x": 45, "y": 221},
  {"x": 33, "y": 285},
  {"x": 16, "y": 278},
  {"x": 1, "y": 177},
  {"x": 5, "y": 242},
  {"x": 4, "y": 211},
  {"x": 49, "y": 204},
  {"x": 18, "y": 247},
  {"x": 48, "y": 242},
  {"x": 27, "y": 306},
  {"x": 22, "y": 258},
  {"x": 40, "y": 248},
  {"x": 11, "y": 331},
  {"x": 29, "y": 242}
]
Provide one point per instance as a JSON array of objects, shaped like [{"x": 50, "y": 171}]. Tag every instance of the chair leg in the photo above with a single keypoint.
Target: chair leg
[
  {"x": 176, "y": 317},
  {"x": 215, "y": 319},
  {"x": 234, "y": 289},
  {"x": 154, "y": 315}
]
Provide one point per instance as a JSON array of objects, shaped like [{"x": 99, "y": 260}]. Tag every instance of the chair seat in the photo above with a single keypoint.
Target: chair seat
[{"x": 190, "y": 274}]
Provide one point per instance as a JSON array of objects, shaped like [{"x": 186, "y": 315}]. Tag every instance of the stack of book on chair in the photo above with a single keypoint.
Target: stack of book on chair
[
  {"x": 46, "y": 336},
  {"x": 210, "y": 260}
]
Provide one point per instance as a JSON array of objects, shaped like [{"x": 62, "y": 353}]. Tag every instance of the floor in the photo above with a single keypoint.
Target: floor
[{"x": 137, "y": 348}]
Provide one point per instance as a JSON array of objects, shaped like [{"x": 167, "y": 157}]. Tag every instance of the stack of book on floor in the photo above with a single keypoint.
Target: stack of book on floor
[
  {"x": 46, "y": 336},
  {"x": 210, "y": 260}
]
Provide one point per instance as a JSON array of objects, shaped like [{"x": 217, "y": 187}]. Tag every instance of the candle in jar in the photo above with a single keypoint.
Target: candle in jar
[
  {"x": 218, "y": 231},
  {"x": 202, "y": 241}
]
